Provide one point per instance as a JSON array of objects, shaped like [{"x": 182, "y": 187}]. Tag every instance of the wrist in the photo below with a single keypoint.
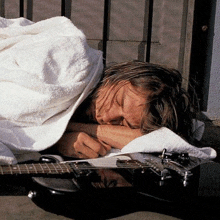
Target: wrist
[{"x": 90, "y": 129}]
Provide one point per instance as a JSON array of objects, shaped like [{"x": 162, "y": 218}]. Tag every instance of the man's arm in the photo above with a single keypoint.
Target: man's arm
[
  {"x": 112, "y": 135},
  {"x": 94, "y": 140}
]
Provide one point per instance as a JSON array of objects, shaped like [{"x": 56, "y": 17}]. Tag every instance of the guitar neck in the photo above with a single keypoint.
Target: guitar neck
[
  {"x": 36, "y": 169},
  {"x": 78, "y": 168}
]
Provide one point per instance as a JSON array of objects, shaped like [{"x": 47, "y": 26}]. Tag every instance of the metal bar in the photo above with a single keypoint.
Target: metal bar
[
  {"x": 66, "y": 8},
  {"x": 149, "y": 32},
  {"x": 30, "y": 9},
  {"x": 2, "y": 8},
  {"x": 63, "y": 7},
  {"x": 106, "y": 25},
  {"x": 21, "y": 8},
  {"x": 186, "y": 41}
]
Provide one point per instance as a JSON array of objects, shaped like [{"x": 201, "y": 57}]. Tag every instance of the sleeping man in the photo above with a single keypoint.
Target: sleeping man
[
  {"x": 134, "y": 98},
  {"x": 54, "y": 95}
]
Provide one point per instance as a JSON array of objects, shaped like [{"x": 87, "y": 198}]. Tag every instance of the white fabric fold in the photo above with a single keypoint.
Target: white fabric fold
[
  {"x": 46, "y": 70},
  {"x": 164, "y": 138}
]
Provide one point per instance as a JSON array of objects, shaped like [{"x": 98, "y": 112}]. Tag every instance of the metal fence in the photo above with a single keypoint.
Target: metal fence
[
  {"x": 26, "y": 10},
  {"x": 174, "y": 33},
  {"x": 158, "y": 31}
]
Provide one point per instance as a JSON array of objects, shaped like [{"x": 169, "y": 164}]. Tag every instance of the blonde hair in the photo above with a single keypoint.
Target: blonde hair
[{"x": 167, "y": 104}]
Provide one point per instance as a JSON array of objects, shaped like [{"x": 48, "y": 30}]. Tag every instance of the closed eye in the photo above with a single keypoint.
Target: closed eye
[
  {"x": 124, "y": 123},
  {"x": 127, "y": 124},
  {"x": 118, "y": 102},
  {"x": 119, "y": 99},
  {"x": 118, "y": 121}
]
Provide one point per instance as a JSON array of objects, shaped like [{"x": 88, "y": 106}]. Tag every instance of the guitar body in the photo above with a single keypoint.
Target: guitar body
[
  {"x": 104, "y": 193},
  {"x": 175, "y": 182},
  {"x": 87, "y": 181},
  {"x": 59, "y": 186},
  {"x": 107, "y": 187},
  {"x": 103, "y": 200}
]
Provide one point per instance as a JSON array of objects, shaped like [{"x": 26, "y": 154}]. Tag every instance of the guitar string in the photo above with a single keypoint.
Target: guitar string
[
  {"x": 67, "y": 167},
  {"x": 34, "y": 168}
]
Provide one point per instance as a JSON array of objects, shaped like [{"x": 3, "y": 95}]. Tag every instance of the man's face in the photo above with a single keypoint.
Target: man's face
[{"x": 122, "y": 105}]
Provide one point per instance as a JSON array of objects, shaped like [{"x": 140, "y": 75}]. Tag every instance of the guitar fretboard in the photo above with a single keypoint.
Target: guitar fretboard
[
  {"x": 38, "y": 168},
  {"x": 66, "y": 168}
]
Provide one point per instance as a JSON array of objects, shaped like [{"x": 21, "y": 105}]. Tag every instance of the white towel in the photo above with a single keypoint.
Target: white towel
[
  {"x": 46, "y": 70},
  {"x": 162, "y": 138}
]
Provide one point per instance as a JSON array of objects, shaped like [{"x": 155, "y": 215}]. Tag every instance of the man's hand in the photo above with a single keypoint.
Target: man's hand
[
  {"x": 108, "y": 135},
  {"x": 81, "y": 145}
]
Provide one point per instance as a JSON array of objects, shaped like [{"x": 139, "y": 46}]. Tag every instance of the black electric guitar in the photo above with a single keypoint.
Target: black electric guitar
[{"x": 167, "y": 176}]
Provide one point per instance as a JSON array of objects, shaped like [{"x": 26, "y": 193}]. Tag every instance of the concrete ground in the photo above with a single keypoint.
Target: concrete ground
[{"x": 211, "y": 136}]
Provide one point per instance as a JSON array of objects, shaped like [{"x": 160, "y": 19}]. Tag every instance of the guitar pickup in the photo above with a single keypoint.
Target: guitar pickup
[{"x": 84, "y": 172}]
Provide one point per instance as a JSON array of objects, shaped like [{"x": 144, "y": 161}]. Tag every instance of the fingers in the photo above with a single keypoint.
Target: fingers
[
  {"x": 89, "y": 146},
  {"x": 81, "y": 145}
]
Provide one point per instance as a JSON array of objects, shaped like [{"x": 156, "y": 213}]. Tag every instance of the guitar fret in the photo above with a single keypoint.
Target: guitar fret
[
  {"x": 43, "y": 171},
  {"x": 32, "y": 168},
  {"x": 48, "y": 167},
  {"x": 58, "y": 168},
  {"x": 19, "y": 169},
  {"x": 63, "y": 168},
  {"x": 10, "y": 169},
  {"x": 43, "y": 168},
  {"x": 66, "y": 167},
  {"x": 7, "y": 170},
  {"x": 53, "y": 169},
  {"x": 27, "y": 169},
  {"x": 14, "y": 169},
  {"x": 22, "y": 168}
]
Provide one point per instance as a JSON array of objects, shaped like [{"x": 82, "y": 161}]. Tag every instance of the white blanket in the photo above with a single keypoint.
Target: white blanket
[
  {"x": 46, "y": 70},
  {"x": 162, "y": 138}
]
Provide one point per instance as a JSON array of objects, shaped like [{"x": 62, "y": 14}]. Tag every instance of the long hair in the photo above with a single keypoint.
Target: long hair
[{"x": 167, "y": 104}]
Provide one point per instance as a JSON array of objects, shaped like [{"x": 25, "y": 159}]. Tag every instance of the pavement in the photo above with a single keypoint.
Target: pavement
[{"x": 211, "y": 136}]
